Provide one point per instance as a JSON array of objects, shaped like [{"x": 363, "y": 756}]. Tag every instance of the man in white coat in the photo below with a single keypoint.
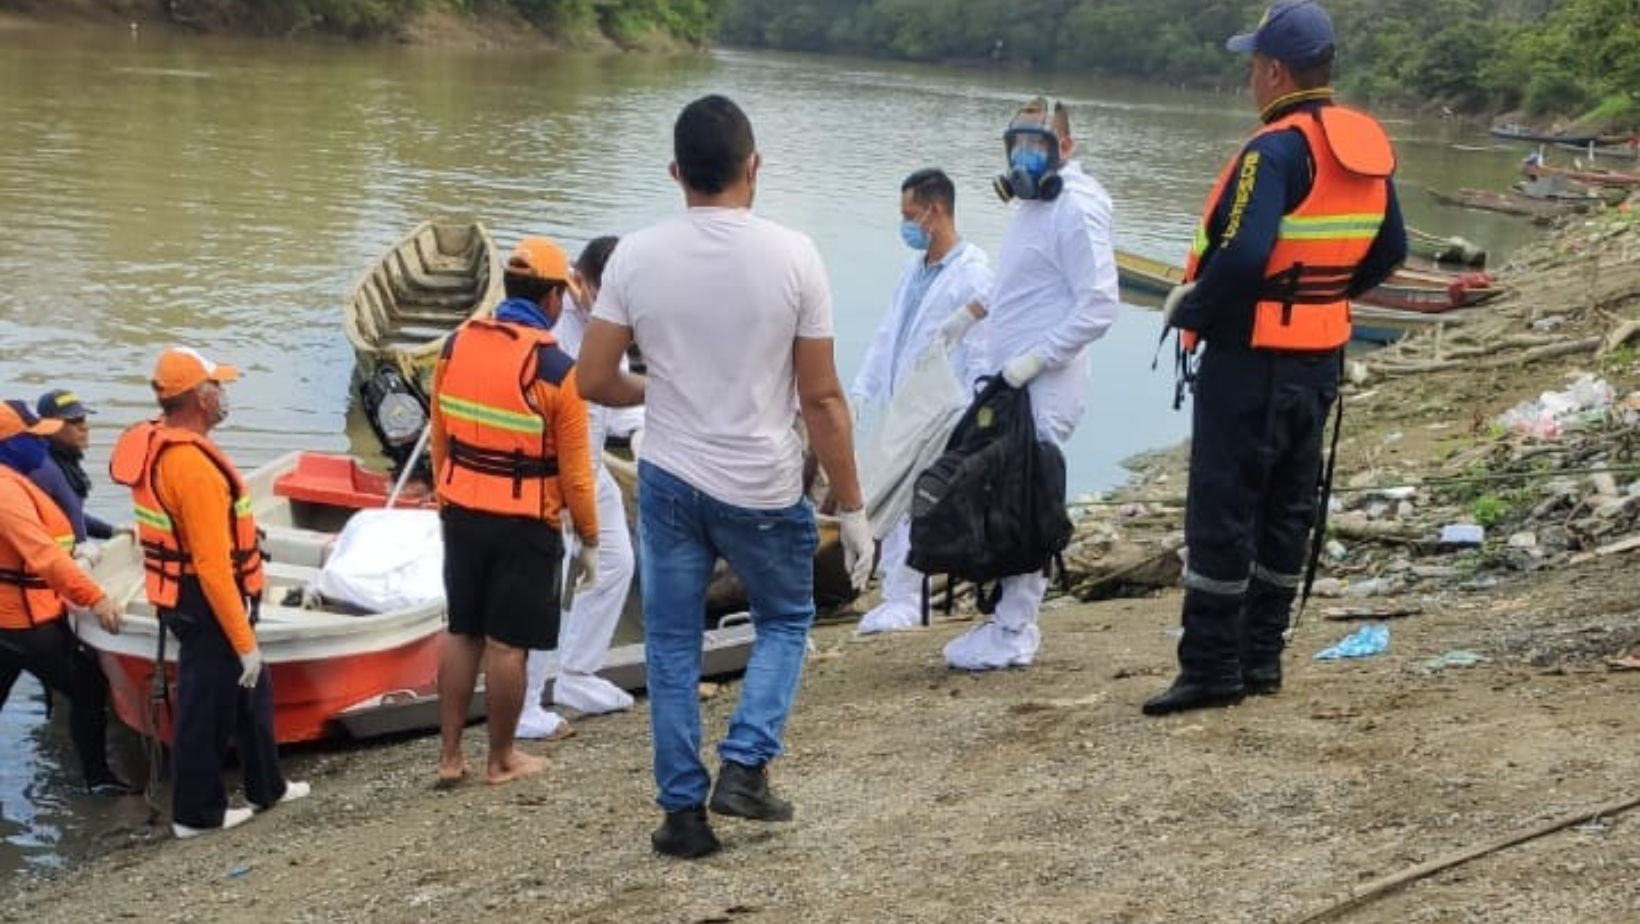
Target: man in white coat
[
  {"x": 945, "y": 274},
  {"x": 1055, "y": 292},
  {"x": 589, "y": 624}
]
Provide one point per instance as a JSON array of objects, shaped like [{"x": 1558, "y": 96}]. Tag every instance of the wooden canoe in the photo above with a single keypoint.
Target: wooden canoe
[
  {"x": 1146, "y": 276},
  {"x": 1439, "y": 249},
  {"x": 1512, "y": 203},
  {"x": 424, "y": 287},
  {"x": 1609, "y": 179}
]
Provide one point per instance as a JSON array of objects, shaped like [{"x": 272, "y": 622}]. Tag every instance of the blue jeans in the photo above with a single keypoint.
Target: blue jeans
[{"x": 681, "y": 534}]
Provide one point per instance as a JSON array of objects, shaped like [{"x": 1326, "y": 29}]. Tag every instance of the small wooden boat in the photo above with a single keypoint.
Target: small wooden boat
[
  {"x": 1511, "y": 203},
  {"x": 424, "y": 287},
  {"x": 1609, "y": 179},
  {"x": 1514, "y": 131},
  {"x": 1375, "y": 324},
  {"x": 1626, "y": 149},
  {"x": 1145, "y": 275},
  {"x": 322, "y": 661}
]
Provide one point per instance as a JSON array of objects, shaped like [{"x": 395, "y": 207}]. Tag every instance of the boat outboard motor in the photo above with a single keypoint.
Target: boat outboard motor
[{"x": 397, "y": 412}]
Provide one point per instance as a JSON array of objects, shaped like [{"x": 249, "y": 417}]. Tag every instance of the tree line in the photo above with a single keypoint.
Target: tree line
[{"x": 1546, "y": 57}]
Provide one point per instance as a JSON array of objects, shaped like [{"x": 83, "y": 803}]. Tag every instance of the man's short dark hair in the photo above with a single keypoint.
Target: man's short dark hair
[
  {"x": 710, "y": 142},
  {"x": 930, "y": 185},
  {"x": 594, "y": 257},
  {"x": 530, "y": 288},
  {"x": 1316, "y": 72}
]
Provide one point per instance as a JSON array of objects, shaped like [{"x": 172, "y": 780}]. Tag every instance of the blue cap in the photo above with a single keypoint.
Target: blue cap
[
  {"x": 1293, "y": 31},
  {"x": 62, "y": 404}
]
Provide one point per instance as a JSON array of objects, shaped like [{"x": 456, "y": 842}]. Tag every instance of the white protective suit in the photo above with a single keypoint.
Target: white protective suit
[
  {"x": 589, "y": 625},
  {"x": 1055, "y": 292},
  {"x": 906, "y": 332}
]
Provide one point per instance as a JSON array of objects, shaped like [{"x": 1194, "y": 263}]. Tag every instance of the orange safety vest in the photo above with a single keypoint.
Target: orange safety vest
[
  {"x": 34, "y": 599},
  {"x": 164, "y": 559},
  {"x": 499, "y": 453},
  {"x": 1304, "y": 305}
]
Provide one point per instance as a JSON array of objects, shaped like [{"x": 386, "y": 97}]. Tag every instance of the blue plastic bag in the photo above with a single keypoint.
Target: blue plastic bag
[{"x": 1366, "y": 641}]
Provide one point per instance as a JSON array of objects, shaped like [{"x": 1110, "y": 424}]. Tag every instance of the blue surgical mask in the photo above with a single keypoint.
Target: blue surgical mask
[{"x": 915, "y": 235}]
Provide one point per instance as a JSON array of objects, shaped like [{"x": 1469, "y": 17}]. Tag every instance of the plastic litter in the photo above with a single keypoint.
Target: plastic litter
[
  {"x": 1463, "y": 534},
  {"x": 1551, "y": 413},
  {"x": 1455, "y": 658},
  {"x": 1366, "y": 641}
]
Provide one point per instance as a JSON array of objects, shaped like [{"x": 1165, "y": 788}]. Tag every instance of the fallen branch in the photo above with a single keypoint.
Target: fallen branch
[
  {"x": 1619, "y": 335},
  {"x": 1387, "y": 884}
]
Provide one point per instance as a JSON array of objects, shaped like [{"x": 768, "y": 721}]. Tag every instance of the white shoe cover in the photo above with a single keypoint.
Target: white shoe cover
[
  {"x": 889, "y": 616},
  {"x": 589, "y": 694},
  {"x": 989, "y": 646},
  {"x": 232, "y": 818},
  {"x": 536, "y": 723}
]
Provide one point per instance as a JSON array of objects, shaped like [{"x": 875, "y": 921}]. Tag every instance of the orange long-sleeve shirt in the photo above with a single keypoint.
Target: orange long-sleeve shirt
[
  {"x": 197, "y": 497},
  {"x": 26, "y": 543},
  {"x": 568, "y": 417}
]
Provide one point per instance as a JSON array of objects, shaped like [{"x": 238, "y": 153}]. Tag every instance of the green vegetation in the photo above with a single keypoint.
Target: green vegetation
[
  {"x": 1488, "y": 509},
  {"x": 1543, "y": 56}
]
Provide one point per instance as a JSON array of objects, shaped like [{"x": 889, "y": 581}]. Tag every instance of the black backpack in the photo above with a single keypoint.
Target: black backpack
[{"x": 993, "y": 504}]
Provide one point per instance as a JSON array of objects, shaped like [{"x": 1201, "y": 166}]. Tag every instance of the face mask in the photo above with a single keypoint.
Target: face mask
[
  {"x": 1033, "y": 162},
  {"x": 915, "y": 235}
]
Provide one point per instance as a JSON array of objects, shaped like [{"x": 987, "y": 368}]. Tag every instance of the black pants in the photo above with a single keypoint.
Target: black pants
[
  {"x": 213, "y": 713},
  {"x": 1255, "y": 461},
  {"x": 53, "y": 655}
]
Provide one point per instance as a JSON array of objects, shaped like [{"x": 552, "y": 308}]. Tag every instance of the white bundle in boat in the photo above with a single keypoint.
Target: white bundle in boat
[{"x": 386, "y": 560}]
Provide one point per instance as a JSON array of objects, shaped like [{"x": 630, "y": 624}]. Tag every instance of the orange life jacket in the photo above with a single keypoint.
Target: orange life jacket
[
  {"x": 29, "y": 601},
  {"x": 164, "y": 559},
  {"x": 1304, "y": 305},
  {"x": 499, "y": 455}
]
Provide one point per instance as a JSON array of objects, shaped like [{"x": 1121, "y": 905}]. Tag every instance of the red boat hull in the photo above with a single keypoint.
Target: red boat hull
[{"x": 307, "y": 695}]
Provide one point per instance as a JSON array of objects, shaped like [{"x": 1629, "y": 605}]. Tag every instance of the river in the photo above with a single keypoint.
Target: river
[{"x": 226, "y": 195}]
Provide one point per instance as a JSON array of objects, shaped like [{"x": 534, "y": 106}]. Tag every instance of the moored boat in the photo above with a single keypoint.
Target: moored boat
[
  {"x": 1609, "y": 179},
  {"x": 322, "y": 661},
  {"x": 1440, "y": 249},
  {"x": 1512, "y": 203},
  {"x": 428, "y": 283}
]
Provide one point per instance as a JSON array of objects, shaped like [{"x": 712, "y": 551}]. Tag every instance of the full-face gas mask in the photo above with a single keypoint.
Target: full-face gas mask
[{"x": 1033, "y": 159}]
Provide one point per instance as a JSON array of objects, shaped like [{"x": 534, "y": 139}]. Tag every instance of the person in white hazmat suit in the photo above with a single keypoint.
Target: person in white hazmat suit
[
  {"x": 589, "y": 625},
  {"x": 945, "y": 274},
  {"x": 1055, "y": 292}
]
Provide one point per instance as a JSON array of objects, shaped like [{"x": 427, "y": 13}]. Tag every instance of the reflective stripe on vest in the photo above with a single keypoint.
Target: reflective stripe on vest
[
  {"x": 165, "y": 561},
  {"x": 1303, "y": 305},
  {"x": 32, "y": 596},
  {"x": 498, "y": 452}
]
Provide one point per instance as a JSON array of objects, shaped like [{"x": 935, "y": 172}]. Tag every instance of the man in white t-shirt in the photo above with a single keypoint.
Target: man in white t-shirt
[
  {"x": 1055, "y": 293},
  {"x": 733, "y": 315}
]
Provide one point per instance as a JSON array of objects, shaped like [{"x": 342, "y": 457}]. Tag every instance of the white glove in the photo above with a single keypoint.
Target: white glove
[
  {"x": 956, "y": 325},
  {"x": 635, "y": 441},
  {"x": 250, "y": 664},
  {"x": 1175, "y": 298},
  {"x": 858, "y": 547},
  {"x": 88, "y": 555},
  {"x": 1019, "y": 371},
  {"x": 583, "y": 571}
]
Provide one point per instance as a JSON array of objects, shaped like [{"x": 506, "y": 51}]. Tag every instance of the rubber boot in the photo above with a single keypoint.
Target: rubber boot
[
  {"x": 1266, "y": 613},
  {"x": 1209, "y": 656}
]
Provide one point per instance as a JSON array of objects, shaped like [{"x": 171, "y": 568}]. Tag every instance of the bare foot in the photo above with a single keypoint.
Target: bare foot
[
  {"x": 450, "y": 773},
  {"x": 515, "y": 765}
]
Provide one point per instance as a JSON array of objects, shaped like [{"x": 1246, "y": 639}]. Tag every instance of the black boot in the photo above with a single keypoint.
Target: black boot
[
  {"x": 1266, "y": 615},
  {"x": 686, "y": 834},
  {"x": 743, "y": 792},
  {"x": 1209, "y": 656}
]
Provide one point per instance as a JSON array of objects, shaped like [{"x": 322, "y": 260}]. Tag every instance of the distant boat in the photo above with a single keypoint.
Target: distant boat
[
  {"x": 1606, "y": 179},
  {"x": 1445, "y": 249},
  {"x": 407, "y": 303},
  {"x": 1514, "y": 131},
  {"x": 1511, "y": 203}
]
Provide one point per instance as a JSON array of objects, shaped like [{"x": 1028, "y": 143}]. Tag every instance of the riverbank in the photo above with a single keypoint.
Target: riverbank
[{"x": 1043, "y": 794}]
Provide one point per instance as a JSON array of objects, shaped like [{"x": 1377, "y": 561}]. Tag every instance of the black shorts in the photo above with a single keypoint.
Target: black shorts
[{"x": 501, "y": 577}]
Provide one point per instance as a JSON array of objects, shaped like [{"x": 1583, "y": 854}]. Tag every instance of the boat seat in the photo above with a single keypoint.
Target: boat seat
[{"x": 294, "y": 546}]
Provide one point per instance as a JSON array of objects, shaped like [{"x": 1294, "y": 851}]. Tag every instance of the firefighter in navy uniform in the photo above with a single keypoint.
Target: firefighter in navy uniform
[
  {"x": 511, "y": 454},
  {"x": 1301, "y": 220}
]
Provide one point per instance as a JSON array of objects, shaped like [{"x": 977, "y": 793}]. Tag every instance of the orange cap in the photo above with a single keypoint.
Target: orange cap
[
  {"x": 181, "y": 369},
  {"x": 13, "y": 423},
  {"x": 540, "y": 258}
]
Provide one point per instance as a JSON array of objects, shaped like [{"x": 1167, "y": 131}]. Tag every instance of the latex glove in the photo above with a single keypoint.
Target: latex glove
[
  {"x": 635, "y": 441},
  {"x": 858, "y": 547},
  {"x": 88, "y": 555},
  {"x": 1175, "y": 298},
  {"x": 1019, "y": 371},
  {"x": 250, "y": 664},
  {"x": 583, "y": 571},
  {"x": 108, "y": 614},
  {"x": 956, "y": 325}
]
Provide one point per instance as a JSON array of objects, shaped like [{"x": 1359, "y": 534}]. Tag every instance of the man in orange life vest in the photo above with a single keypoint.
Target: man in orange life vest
[
  {"x": 510, "y": 453},
  {"x": 1302, "y": 219},
  {"x": 204, "y": 577},
  {"x": 38, "y": 580}
]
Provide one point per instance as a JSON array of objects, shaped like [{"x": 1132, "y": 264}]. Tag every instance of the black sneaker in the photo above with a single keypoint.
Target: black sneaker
[
  {"x": 743, "y": 792},
  {"x": 113, "y": 786},
  {"x": 686, "y": 834}
]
